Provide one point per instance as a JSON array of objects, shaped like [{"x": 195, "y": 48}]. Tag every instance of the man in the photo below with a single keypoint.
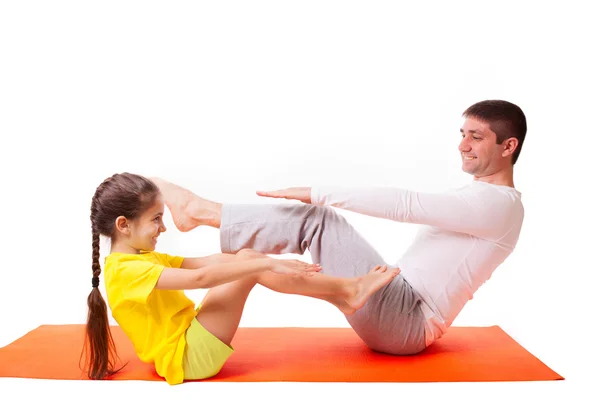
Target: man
[{"x": 465, "y": 234}]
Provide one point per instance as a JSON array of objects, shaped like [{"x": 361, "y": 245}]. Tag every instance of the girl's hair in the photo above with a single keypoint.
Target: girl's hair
[{"x": 127, "y": 195}]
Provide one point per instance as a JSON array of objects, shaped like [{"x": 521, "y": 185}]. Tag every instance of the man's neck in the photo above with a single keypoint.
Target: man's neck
[{"x": 503, "y": 177}]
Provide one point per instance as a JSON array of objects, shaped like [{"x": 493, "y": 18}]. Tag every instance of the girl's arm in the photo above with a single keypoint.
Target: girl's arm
[
  {"x": 216, "y": 274},
  {"x": 201, "y": 262}
]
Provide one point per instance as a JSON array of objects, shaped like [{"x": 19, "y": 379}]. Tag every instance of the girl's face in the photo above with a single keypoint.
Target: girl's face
[{"x": 146, "y": 229}]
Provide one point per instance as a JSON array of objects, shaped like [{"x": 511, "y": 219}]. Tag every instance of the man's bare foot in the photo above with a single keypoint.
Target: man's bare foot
[
  {"x": 188, "y": 209},
  {"x": 368, "y": 284}
]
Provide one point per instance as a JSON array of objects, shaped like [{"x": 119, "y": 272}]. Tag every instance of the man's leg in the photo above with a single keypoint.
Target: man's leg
[
  {"x": 295, "y": 228},
  {"x": 390, "y": 321}
]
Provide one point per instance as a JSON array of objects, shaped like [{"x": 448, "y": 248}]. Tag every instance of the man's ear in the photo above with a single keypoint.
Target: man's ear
[
  {"x": 509, "y": 146},
  {"x": 122, "y": 225}
]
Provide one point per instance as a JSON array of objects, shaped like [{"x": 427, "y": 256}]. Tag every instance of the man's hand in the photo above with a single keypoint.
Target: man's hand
[{"x": 300, "y": 194}]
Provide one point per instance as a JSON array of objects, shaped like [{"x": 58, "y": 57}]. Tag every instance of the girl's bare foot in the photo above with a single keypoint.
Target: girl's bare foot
[
  {"x": 188, "y": 209},
  {"x": 340, "y": 303},
  {"x": 368, "y": 284}
]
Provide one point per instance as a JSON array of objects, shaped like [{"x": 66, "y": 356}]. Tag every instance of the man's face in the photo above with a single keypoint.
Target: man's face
[{"x": 481, "y": 156}]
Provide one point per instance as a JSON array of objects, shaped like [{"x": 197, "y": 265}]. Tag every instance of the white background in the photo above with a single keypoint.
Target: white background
[{"x": 226, "y": 98}]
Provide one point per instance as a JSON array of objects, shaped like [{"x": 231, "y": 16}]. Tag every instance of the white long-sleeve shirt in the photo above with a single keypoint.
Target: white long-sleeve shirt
[{"x": 466, "y": 234}]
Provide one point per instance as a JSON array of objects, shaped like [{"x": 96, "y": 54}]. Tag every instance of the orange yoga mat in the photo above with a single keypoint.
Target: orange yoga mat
[{"x": 297, "y": 354}]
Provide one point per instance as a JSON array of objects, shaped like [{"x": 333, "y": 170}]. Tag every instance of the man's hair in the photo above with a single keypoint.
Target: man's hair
[{"x": 506, "y": 120}]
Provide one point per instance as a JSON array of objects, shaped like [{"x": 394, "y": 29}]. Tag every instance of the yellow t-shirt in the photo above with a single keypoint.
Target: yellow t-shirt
[{"x": 154, "y": 320}]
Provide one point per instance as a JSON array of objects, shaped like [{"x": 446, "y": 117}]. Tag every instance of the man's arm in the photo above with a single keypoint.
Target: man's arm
[{"x": 479, "y": 214}]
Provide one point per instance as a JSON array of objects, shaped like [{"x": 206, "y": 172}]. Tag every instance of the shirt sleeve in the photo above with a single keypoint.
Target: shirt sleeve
[
  {"x": 139, "y": 277},
  {"x": 479, "y": 214},
  {"x": 173, "y": 260}
]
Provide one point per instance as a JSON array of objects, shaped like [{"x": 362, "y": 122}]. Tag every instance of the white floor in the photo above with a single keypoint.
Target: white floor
[{"x": 570, "y": 398}]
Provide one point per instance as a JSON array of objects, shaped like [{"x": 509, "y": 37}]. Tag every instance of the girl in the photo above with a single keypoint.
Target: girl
[{"x": 145, "y": 288}]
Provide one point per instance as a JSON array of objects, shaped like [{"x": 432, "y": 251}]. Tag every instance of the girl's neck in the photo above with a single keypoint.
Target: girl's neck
[{"x": 120, "y": 247}]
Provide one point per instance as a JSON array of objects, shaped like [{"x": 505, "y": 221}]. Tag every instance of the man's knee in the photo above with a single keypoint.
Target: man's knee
[{"x": 323, "y": 213}]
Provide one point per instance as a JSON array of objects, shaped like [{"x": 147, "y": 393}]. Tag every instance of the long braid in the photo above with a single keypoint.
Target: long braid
[
  {"x": 100, "y": 344},
  {"x": 96, "y": 269}
]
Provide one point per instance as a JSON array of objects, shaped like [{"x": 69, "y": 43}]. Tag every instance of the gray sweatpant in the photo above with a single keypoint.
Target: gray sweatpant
[{"x": 391, "y": 321}]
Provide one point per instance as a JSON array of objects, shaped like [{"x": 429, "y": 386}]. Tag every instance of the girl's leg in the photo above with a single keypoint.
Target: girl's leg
[
  {"x": 222, "y": 308},
  {"x": 223, "y": 305},
  {"x": 347, "y": 294}
]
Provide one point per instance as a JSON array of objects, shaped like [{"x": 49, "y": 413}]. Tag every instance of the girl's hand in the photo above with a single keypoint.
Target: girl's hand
[{"x": 294, "y": 267}]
